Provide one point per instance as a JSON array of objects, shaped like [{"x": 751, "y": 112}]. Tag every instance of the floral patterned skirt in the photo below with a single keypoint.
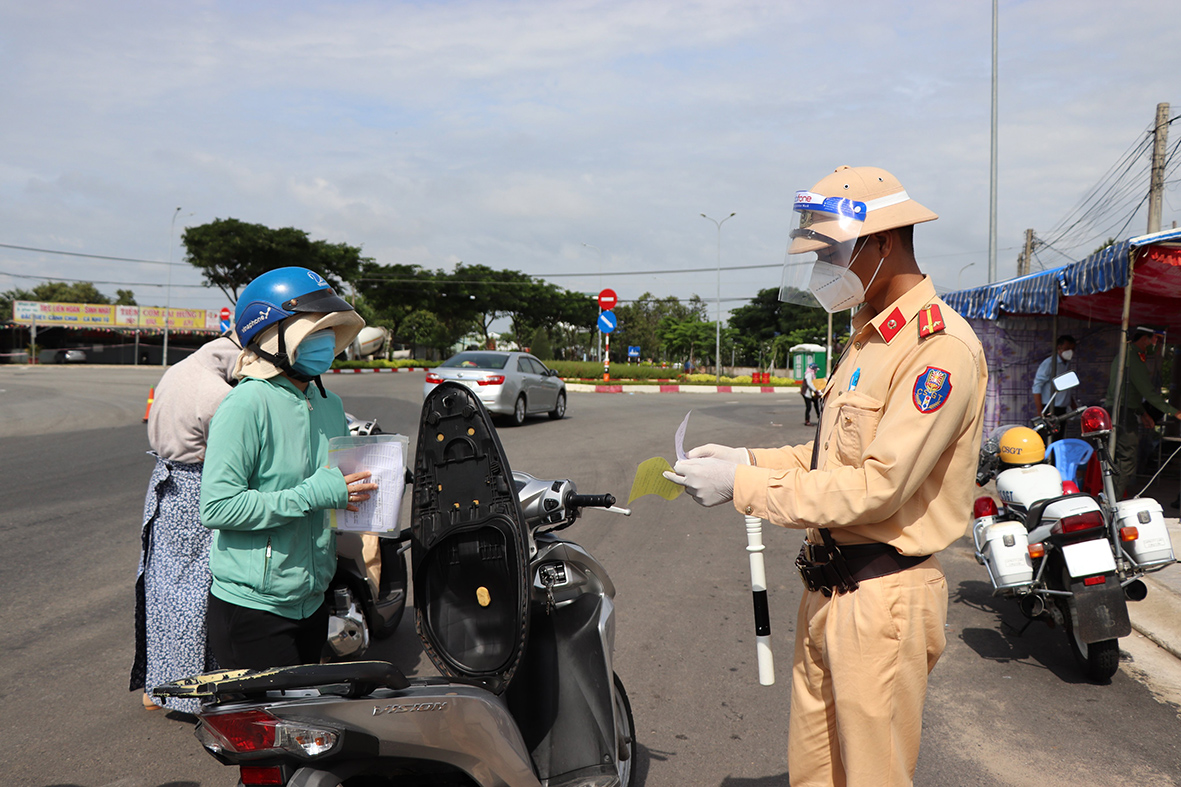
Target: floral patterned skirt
[{"x": 173, "y": 584}]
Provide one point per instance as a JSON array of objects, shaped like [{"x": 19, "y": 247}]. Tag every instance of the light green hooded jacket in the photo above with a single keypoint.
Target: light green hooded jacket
[{"x": 264, "y": 491}]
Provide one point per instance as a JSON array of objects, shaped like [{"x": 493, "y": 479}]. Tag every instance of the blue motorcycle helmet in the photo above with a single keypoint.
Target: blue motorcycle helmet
[
  {"x": 276, "y": 296},
  {"x": 282, "y": 293}
]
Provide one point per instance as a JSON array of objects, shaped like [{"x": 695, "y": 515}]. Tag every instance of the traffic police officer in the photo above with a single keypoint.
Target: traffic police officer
[
  {"x": 887, "y": 483},
  {"x": 1137, "y": 396}
]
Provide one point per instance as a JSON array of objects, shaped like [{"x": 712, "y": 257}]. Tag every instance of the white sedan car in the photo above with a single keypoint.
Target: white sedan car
[{"x": 508, "y": 383}]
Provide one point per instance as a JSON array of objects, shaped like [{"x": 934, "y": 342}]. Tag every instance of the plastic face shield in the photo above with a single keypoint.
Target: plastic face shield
[{"x": 827, "y": 232}]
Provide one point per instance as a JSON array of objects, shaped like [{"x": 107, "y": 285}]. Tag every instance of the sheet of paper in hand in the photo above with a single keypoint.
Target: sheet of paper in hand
[{"x": 383, "y": 455}]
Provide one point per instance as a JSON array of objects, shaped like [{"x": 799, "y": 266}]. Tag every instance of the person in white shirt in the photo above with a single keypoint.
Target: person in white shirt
[
  {"x": 1043, "y": 392},
  {"x": 810, "y": 393}
]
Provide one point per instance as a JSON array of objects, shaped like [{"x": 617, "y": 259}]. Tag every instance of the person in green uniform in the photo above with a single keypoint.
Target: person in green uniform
[{"x": 1137, "y": 395}]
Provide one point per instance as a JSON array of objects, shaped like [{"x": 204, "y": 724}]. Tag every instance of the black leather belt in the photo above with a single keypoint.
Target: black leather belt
[{"x": 829, "y": 567}]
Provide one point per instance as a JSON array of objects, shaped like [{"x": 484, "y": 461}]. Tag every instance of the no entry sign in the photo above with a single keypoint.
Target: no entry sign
[{"x": 608, "y": 299}]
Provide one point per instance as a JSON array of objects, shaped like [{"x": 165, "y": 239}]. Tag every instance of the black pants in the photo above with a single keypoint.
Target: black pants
[
  {"x": 809, "y": 403},
  {"x": 244, "y": 638}
]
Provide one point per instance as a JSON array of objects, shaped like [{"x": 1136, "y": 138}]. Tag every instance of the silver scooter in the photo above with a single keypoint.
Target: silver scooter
[{"x": 520, "y": 621}]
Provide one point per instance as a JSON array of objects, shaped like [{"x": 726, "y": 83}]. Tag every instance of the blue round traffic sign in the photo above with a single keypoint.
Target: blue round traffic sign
[{"x": 607, "y": 322}]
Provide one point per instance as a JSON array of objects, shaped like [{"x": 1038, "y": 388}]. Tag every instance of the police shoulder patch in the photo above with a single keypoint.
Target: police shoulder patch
[
  {"x": 931, "y": 389},
  {"x": 930, "y": 321}
]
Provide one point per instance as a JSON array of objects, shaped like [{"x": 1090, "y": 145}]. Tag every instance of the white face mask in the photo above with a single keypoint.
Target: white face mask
[
  {"x": 837, "y": 287},
  {"x": 1067, "y": 355}
]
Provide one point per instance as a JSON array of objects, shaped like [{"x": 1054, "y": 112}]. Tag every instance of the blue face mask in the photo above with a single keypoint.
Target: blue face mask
[{"x": 315, "y": 353}]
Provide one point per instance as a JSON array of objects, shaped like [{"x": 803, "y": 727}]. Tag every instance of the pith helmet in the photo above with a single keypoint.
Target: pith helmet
[{"x": 887, "y": 205}]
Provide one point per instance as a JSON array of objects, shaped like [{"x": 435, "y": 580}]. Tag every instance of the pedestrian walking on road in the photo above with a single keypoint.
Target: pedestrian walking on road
[
  {"x": 887, "y": 483},
  {"x": 172, "y": 586},
  {"x": 810, "y": 393}
]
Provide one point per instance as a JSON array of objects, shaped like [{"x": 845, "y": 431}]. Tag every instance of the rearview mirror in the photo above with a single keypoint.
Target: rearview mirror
[{"x": 1064, "y": 382}]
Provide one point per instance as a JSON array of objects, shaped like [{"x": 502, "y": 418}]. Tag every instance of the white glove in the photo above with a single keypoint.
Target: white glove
[
  {"x": 738, "y": 456},
  {"x": 709, "y": 481}
]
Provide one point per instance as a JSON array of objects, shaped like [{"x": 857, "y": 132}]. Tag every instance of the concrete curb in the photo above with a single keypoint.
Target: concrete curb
[
  {"x": 675, "y": 388},
  {"x": 364, "y": 371},
  {"x": 1157, "y": 616}
]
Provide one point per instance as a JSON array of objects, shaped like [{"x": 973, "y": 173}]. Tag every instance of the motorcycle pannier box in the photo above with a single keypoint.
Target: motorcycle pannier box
[
  {"x": 1006, "y": 549},
  {"x": 1152, "y": 546}
]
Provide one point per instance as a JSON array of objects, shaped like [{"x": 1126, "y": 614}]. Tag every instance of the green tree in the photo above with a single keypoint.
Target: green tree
[
  {"x": 124, "y": 298},
  {"x": 485, "y": 294},
  {"x": 231, "y": 253},
  {"x": 394, "y": 292},
  {"x": 687, "y": 338},
  {"x": 767, "y": 321},
  {"x": 639, "y": 321}
]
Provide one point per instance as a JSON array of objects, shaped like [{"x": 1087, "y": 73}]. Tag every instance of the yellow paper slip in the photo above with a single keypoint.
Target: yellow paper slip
[{"x": 649, "y": 480}]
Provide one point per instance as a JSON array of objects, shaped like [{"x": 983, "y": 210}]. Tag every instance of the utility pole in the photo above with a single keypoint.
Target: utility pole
[
  {"x": 1025, "y": 261},
  {"x": 1156, "y": 188},
  {"x": 992, "y": 181}
]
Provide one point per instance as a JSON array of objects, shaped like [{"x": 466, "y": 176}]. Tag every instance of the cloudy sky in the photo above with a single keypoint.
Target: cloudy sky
[{"x": 579, "y": 137}]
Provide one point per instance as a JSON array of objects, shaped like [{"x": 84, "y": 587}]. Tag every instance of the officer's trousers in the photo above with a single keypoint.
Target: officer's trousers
[
  {"x": 1127, "y": 450},
  {"x": 859, "y": 679}
]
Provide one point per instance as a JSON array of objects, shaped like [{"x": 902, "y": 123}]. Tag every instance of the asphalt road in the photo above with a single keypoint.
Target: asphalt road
[{"x": 1002, "y": 709}]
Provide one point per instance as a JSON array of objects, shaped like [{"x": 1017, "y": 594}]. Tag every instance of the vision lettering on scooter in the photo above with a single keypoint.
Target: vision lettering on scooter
[{"x": 379, "y": 710}]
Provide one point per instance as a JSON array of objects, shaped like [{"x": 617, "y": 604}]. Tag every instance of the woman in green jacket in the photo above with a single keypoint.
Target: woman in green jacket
[{"x": 266, "y": 484}]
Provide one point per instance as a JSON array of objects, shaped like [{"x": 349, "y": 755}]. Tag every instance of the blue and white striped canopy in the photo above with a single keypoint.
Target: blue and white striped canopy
[{"x": 1042, "y": 292}]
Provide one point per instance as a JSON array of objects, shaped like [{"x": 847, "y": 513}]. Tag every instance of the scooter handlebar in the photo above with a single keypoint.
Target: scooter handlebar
[{"x": 590, "y": 501}]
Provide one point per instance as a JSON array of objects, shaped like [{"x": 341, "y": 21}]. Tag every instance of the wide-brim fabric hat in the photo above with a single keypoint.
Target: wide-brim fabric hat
[
  {"x": 346, "y": 325},
  {"x": 886, "y": 201}
]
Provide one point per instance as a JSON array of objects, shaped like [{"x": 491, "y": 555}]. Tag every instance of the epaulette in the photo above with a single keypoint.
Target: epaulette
[{"x": 930, "y": 321}]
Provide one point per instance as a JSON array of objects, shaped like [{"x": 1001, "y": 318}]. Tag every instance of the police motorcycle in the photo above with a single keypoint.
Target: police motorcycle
[
  {"x": 367, "y": 595},
  {"x": 519, "y": 621},
  {"x": 1066, "y": 558}
]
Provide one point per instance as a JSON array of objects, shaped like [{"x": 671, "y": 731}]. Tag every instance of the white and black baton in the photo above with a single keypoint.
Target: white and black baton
[{"x": 758, "y": 587}]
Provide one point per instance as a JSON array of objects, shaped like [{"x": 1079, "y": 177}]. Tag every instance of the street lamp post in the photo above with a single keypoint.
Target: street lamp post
[
  {"x": 961, "y": 274},
  {"x": 168, "y": 290},
  {"x": 718, "y": 347},
  {"x": 599, "y": 343}
]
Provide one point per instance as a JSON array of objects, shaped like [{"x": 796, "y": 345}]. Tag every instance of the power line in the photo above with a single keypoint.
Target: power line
[
  {"x": 92, "y": 281},
  {"x": 90, "y": 256}
]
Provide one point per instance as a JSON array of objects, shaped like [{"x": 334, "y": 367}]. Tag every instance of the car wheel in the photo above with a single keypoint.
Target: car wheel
[
  {"x": 519, "y": 411},
  {"x": 559, "y": 407}
]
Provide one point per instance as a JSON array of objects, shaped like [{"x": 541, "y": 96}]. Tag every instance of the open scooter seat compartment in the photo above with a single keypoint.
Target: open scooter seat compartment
[
  {"x": 1152, "y": 546},
  {"x": 469, "y": 546}
]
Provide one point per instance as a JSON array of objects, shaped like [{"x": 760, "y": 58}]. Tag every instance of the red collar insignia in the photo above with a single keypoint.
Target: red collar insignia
[
  {"x": 930, "y": 321},
  {"x": 889, "y": 327}
]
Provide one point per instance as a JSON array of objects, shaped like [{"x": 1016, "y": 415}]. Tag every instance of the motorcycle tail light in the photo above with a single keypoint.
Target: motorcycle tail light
[
  {"x": 1129, "y": 533},
  {"x": 492, "y": 379},
  {"x": 984, "y": 506},
  {"x": 253, "y": 731},
  {"x": 241, "y": 732},
  {"x": 1095, "y": 421},
  {"x": 1099, "y": 580},
  {"x": 1078, "y": 523},
  {"x": 1069, "y": 488},
  {"x": 1036, "y": 551},
  {"x": 261, "y": 774},
  {"x": 432, "y": 377}
]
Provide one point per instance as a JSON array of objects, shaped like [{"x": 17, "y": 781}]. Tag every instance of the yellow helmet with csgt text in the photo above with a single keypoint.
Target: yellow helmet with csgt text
[{"x": 1022, "y": 446}]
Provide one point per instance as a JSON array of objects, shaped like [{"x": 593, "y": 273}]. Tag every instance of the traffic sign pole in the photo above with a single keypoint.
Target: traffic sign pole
[
  {"x": 607, "y": 323},
  {"x": 607, "y": 361}
]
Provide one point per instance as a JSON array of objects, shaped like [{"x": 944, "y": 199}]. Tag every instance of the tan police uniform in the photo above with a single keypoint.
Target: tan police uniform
[{"x": 899, "y": 442}]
